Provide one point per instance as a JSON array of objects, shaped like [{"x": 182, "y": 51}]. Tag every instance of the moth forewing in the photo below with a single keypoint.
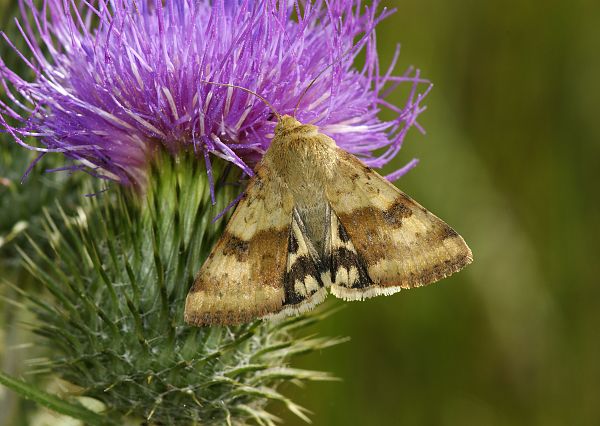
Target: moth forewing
[
  {"x": 314, "y": 217},
  {"x": 241, "y": 278},
  {"x": 402, "y": 244}
]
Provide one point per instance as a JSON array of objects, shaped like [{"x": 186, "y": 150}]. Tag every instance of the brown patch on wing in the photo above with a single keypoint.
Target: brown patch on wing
[
  {"x": 396, "y": 212},
  {"x": 267, "y": 257},
  {"x": 448, "y": 232},
  {"x": 368, "y": 225},
  {"x": 234, "y": 246},
  {"x": 368, "y": 230},
  {"x": 232, "y": 288}
]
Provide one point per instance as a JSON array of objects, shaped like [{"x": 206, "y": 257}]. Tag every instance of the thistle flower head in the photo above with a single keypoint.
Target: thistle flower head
[{"x": 112, "y": 82}]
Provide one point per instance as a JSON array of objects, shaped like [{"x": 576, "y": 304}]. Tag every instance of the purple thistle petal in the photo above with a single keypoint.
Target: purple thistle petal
[
  {"x": 211, "y": 181},
  {"x": 229, "y": 207},
  {"x": 392, "y": 177},
  {"x": 31, "y": 166},
  {"x": 120, "y": 78}
]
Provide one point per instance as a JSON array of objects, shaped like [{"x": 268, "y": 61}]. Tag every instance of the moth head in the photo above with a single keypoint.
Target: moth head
[{"x": 288, "y": 124}]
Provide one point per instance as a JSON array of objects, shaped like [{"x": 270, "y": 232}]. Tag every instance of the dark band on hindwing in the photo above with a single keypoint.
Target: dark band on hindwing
[
  {"x": 303, "y": 276},
  {"x": 348, "y": 268}
]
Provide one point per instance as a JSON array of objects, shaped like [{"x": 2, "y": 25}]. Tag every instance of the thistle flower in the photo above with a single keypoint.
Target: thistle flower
[{"x": 121, "y": 79}]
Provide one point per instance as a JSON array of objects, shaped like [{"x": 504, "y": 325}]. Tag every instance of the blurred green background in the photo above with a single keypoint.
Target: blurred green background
[{"x": 510, "y": 160}]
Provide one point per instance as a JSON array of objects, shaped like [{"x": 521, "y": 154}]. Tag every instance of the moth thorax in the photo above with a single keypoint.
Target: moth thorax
[{"x": 306, "y": 171}]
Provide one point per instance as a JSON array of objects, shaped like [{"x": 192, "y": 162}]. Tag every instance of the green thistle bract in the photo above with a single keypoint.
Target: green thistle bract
[{"x": 119, "y": 275}]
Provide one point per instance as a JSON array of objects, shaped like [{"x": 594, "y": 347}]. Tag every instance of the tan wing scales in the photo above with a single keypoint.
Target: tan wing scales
[
  {"x": 242, "y": 278},
  {"x": 402, "y": 244}
]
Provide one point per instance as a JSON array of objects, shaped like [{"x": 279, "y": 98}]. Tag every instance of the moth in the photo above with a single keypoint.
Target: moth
[{"x": 314, "y": 219}]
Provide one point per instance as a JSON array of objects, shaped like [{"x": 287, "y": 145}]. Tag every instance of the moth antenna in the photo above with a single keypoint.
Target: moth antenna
[
  {"x": 338, "y": 59},
  {"x": 136, "y": 8},
  {"x": 313, "y": 81},
  {"x": 248, "y": 91}
]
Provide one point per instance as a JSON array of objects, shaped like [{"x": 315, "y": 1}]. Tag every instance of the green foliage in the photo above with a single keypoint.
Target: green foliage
[
  {"x": 22, "y": 203},
  {"x": 52, "y": 402},
  {"x": 22, "y": 208},
  {"x": 118, "y": 273}
]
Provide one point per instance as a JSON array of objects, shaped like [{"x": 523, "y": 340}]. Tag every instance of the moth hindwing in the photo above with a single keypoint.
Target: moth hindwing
[{"x": 314, "y": 218}]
